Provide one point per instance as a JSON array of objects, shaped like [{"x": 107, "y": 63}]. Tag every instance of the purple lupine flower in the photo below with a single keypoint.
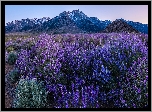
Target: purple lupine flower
[{"x": 78, "y": 59}]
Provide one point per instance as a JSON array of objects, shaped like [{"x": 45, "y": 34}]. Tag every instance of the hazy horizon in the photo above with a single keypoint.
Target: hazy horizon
[{"x": 136, "y": 13}]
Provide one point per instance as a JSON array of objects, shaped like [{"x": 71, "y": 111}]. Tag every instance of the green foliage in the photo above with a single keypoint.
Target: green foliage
[
  {"x": 13, "y": 76},
  {"x": 10, "y": 48},
  {"x": 30, "y": 94},
  {"x": 12, "y": 58}
]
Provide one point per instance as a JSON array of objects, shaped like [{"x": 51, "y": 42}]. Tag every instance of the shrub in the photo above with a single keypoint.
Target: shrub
[
  {"x": 135, "y": 85},
  {"x": 112, "y": 61},
  {"x": 13, "y": 76},
  {"x": 30, "y": 94},
  {"x": 12, "y": 58},
  {"x": 133, "y": 91},
  {"x": 14, "y": 46},
  {"x": 10, "y": 48},
  {"x": 119, "y": 54}
]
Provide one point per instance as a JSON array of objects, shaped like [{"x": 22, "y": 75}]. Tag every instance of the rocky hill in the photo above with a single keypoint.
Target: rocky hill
[{"x": 119, "y": 26}]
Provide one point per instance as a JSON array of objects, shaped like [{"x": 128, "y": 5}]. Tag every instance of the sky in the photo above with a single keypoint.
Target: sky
[{"x": 136, "y": 13}]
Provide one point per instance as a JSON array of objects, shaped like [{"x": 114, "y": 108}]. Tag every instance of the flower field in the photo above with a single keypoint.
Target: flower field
[{"x": 101, "y": 70}]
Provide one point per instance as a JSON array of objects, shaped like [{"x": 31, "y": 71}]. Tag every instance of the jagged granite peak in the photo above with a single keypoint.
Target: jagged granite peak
[
  {"x": 64, "y": 13},
  {"x": 119, "y": 25},
  {"x": 77, "y": 15}
]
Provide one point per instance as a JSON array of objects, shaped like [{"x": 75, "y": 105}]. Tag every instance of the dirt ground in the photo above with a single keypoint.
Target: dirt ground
[{"x": 8, "y": 68}]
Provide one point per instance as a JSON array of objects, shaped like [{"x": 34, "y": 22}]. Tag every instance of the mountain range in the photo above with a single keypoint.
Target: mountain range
[{"x": 74, "y": 22}]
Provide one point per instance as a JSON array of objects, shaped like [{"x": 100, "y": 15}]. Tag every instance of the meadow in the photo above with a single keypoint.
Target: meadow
[{"x": 100, "y": 70}]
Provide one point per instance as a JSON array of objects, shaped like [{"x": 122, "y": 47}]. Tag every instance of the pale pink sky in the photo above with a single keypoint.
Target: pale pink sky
[{"x": 136, "y": 13}]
